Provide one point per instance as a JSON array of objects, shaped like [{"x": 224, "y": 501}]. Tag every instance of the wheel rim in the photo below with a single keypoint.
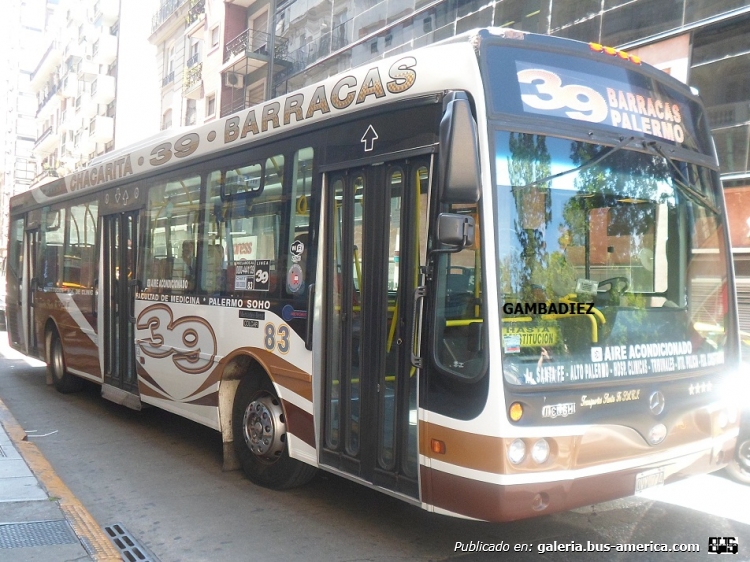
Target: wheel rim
[
  {"x": 264, "y": 429},
  {"x": 743, "y": 455},
  {"x": 58, "y": 363}
]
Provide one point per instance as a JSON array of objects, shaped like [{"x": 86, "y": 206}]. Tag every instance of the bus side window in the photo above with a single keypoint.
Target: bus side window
[
  {"x": 171, "y": 227},
  {"x": 52, "y": 250},
  {"x": 299, "y": 257},
  {"x": 242, "y": 219}
]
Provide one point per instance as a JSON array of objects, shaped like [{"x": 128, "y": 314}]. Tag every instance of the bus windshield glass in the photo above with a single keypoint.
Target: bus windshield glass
[{"x": 611, "y": 262}]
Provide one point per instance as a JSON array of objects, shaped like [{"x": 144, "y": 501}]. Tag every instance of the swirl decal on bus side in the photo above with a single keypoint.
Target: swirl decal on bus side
[{"x": 190, "y": 340}]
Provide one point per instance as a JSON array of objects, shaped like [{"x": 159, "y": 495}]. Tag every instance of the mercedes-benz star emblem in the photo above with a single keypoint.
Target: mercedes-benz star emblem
[{"x": 656, "y": 403}]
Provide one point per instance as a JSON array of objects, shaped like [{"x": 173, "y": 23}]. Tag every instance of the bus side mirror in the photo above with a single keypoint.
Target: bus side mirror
[
  {"x": 455, "y": 230},
  {"x": 459, "y": 152}
]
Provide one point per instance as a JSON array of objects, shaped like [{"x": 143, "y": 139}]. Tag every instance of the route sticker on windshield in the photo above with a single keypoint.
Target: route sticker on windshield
[{"x": 512, "y": 343}]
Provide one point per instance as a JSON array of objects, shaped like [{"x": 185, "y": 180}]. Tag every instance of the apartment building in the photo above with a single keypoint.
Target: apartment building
[
  {"x": 77, "y": 79},
  {"x": 20, "y": 33}
]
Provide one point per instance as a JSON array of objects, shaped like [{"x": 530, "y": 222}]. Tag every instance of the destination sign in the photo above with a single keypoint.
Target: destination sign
[
  {"x": 583, "y": 97},
  {"x": 595, "y": 93}
]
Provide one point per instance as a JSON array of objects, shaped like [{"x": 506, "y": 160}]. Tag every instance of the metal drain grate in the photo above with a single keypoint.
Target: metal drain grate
[
  {"x": 131, "y": 549},
  {"x": 36, "y": 533}
]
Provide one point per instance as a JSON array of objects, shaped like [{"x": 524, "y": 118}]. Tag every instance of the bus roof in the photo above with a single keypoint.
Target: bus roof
[{"x": 415, "y": 73}]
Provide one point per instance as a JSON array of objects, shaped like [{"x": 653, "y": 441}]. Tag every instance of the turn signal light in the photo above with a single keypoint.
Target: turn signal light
[
  {"x": 437, "y": 446},
  {"x": 516, "y": 411}
]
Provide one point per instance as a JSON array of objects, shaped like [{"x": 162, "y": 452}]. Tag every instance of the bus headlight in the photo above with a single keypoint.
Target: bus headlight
[
  {"x": 722, "y": 419},
  {"x": 517, "y": 451},
  {"x": 540, "y": 451}
]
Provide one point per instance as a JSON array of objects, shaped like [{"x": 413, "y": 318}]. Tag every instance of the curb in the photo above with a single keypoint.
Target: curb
[{"x": 93, "y": 538}]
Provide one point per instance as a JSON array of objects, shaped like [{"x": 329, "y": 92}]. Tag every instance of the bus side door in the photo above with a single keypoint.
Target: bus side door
[{"x": 376, "y": 217}]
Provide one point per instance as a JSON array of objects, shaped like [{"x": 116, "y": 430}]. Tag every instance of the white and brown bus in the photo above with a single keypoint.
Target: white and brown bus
[{"x": 490, "y": 277}]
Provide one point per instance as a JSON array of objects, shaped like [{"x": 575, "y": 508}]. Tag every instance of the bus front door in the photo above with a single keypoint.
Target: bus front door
[
  {"x": 117, "y": 300},
  {"x": 376, "y": 232}
]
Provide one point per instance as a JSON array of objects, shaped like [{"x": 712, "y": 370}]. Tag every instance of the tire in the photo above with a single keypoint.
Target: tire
[
  {"x": 259, "y": 433},
  {"x": 738, "y": 468},
  {"x": 63, "y": 380}
]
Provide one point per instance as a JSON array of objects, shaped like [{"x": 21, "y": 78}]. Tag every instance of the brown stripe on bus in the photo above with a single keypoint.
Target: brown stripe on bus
[{"x": 299, "y": 423}]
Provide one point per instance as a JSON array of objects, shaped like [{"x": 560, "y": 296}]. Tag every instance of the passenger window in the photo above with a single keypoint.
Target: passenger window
[
  {"x": 80, "y": 262},
  {"x": 242, "y": 222},
  {"x": 300, "y": 256},
  {"x": 52, "y": 247},
  {"x": 172, "y": 235}
]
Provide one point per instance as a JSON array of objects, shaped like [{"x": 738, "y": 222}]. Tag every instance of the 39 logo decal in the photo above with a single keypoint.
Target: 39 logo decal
[
  {"x": 584, "y": 103},
  {"x": 190, "y": 340}
]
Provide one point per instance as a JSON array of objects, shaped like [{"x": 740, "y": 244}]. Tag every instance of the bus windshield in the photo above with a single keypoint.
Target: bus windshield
[{"x": 611, "y": 262}]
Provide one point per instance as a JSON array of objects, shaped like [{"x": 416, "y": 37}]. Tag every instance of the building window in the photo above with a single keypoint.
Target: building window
[
  {"x": 210, "y": 106},
  {"x": 215, "y": 37},
  {"x": 166, "y": 120},
  {"x": 191, "y": 112}
]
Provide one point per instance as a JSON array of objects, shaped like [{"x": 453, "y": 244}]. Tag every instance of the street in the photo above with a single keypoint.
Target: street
[{"x": 160, "y": 476}]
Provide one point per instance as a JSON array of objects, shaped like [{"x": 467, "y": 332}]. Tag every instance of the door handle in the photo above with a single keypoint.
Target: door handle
[
  {"x": 133, "y": 283},
  {"x": 310, "y": 305},
  {"x": 419, "y": 295},
  {"x": 94, "y": 291}
]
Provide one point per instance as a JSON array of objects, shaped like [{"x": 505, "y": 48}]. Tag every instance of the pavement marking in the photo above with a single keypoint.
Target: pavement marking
[{"x": 85, "y": 527}]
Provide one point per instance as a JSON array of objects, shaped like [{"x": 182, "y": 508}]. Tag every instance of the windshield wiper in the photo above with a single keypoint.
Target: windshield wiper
[
  {"x": 682, "y": 183},
  {"x": 588, "y": 164}
]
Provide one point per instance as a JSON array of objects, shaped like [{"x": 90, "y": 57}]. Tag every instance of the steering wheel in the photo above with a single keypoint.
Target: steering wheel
[{"x": 616, "y": 284}]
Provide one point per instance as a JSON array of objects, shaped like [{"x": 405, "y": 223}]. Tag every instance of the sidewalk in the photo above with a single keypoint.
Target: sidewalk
[{"x": 40, "y": 518}]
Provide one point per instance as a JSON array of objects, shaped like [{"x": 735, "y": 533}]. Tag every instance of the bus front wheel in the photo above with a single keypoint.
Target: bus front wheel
[
  {"x": 63, "y": 380},
  {"x": 259, "y": 433},
  {"x": 738, "y": 468}
]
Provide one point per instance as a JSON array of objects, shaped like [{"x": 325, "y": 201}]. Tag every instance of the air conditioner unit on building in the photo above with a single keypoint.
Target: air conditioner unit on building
[{"x": 234, "y": 80}]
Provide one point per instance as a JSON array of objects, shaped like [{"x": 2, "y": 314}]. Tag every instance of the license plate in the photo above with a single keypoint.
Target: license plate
[{"x": 649, "y": 479}]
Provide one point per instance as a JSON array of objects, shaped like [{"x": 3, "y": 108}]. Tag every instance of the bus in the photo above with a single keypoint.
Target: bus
[{"x": 490, "y": 277}]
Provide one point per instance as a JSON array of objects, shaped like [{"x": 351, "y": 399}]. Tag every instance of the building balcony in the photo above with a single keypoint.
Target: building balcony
[
  {"x": 68, "y": 157},
  {"x": 47, "y": 141},
  {"x": 102, "y": 129},
  {"x": 192, "y": 82},
  {"x": 233, "y": 103},
  {"x": 84, "y": 146},
  {"x": 167, "y": 9},
  {"x": 196, "y": 12},
  {"x": 69, "y": 88},
  {"x": 87, "y": 106},
  {"x": 249, "y": 51},
  {"x": 49, "y": 101},
  {"x": 88, "y": 70},
  {"x": 106, "y": 48},
  {"x": 168, "y": 79},
  {"x": 77, "y": 13},
  {"x": 74, "y": 52},
  {"x": 71, "y": 120},
  {"x": 103, "y": 89},
  {"x": 48, "y": 64},
  {"x": 107, "y": 11}
]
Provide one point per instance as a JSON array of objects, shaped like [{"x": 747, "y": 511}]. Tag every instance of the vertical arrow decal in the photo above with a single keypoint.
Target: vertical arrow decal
[{"x": 368, "y": 139}]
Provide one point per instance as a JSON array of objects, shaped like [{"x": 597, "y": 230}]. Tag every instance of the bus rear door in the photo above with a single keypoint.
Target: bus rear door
[{"x": 116, "y": 295}]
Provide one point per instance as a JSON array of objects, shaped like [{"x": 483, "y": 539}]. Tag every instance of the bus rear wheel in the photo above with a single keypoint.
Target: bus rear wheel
[
  {"x": 259, "y": 433},
  {"x": 64, "y": 382}
]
